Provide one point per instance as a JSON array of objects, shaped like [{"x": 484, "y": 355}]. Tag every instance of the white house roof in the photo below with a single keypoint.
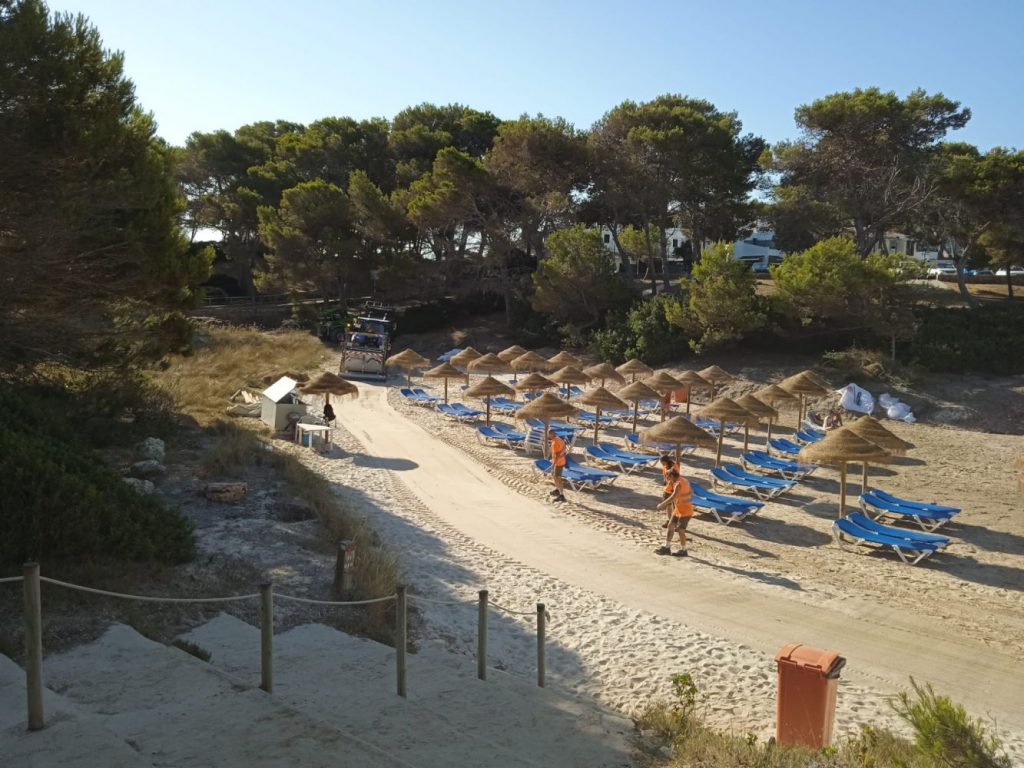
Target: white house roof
[{"x": 280, "y": 389}]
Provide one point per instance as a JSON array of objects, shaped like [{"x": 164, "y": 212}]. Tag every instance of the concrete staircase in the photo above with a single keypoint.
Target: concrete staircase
[{"x": 127, "y": 701}]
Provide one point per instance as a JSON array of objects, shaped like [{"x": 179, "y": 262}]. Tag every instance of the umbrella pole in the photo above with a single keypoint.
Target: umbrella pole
[
  {"x": 488, "y": 401},
  {"x": 864, "y": 480},
  {"x": 689, "y": 390},
  {"x": 800, "y": 414},
  {"x": 769, "y": 431},
  {"x": 842, "y": 489},
  {"x": 546, "y": 427},
  {"x": 679, "y": 451},
  {"x": 721, "y": 433},
  {"x": 446, "y": 389},
  {"x": 597, "y": 420},
  {"x": 746, "y": 436},
  {"x": 636, "y": 412},
  {"x": 408, "y": 377}
]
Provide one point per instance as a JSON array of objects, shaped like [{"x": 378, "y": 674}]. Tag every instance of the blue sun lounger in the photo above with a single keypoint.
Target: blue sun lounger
[
  {"x": 623, "y": 463},
  {"x": 857, "y": 518},
  {"x": 788, "y": 470},
  {"x": 589, "y": 417},
  {"x": 930, "y": 507},
  {"x": 600, "y": 476},
  {"x": 572, "y": 391},
  {"x": 782, "y": 445},
  {"x": 578, "y": 481},
  {"x": 418, "y": 398},
  {"x": 467, "y": 411},
  {"x": 505, "y": 405},
  {"x": 614, "y": 449},
  {"x": 732, "y": 476},
  {"x": 725, "y": 509},
  {"x": 712, "y": 426},
  {"x": 910, "y": 552},
  {"x": 878, "y": 507},
  {"x": 508, "y": 439},
  {"x": 806, "y": 436}
]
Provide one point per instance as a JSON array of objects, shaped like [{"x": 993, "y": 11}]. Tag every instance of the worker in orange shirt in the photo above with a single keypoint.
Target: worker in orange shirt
[
  {"x": 558, "y": 454},
  {"x": 681, "y": 502}
]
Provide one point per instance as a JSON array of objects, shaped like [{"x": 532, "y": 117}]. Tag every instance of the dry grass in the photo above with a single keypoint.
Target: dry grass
[{"x": 227, "y": 359}]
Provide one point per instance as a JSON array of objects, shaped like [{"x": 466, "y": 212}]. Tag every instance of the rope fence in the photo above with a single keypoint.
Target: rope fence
[{"x": 32, "y": 581}]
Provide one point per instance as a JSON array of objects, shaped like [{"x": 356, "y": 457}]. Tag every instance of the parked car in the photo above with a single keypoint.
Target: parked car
[
  {"x": 1013, "y": 271},
  {"x": 937, "y": 272},
  {"x": 760, "y": 269},
  {"x": 978, "y": 272}
]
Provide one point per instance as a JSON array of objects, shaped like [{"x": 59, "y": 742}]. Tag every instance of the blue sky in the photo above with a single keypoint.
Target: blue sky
[{"x": 204, "y": 65}]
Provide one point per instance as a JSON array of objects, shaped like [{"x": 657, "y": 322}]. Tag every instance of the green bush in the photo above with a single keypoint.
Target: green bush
[
  {"x": 61, "y": 501},
  {"x": 987, "y": 339},
  {"x": 643, "y": 332},
  {"x": 945, "y": 733},
  {"x": 440, "y": 313}
]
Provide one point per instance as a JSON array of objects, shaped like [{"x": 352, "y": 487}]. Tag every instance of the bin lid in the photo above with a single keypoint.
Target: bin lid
[{"x": 827, "y": 662}]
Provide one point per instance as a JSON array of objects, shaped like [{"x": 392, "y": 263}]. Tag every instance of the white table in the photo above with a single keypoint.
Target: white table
[{"x": 312, "y": 429}]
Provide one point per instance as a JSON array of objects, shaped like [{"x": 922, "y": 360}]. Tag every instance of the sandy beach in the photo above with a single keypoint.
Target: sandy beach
[{"x": 464, "y": 516}]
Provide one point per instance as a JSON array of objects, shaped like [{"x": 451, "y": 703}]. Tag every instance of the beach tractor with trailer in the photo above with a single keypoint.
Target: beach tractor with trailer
[{"x": 366, "y": 343}]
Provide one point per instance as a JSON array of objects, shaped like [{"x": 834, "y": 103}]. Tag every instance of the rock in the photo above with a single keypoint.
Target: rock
[
  {"x": 225, "y": 491},
  {"x": 144, "y": 487},
  {"x": 147, "y": 468},
  {"x": 151, "y": 448},
  {"x": 293, "y": 511}
]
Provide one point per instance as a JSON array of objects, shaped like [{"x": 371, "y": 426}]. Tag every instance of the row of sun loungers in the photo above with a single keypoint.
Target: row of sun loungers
[{"x": 879, "y": 504}]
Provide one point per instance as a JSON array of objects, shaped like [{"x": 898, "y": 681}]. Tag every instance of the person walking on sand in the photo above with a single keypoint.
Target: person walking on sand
[
  {"x": 667, "y": 465},
  {"x": 558, "y": 454},
  {"x": 681, "y": 503}
]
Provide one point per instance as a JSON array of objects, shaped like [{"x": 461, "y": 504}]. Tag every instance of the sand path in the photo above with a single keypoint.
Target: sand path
[{"x": 883, "y": 646}]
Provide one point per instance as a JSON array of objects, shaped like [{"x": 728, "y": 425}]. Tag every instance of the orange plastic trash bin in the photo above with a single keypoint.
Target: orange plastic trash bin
[{"x": 806, "y": 705}]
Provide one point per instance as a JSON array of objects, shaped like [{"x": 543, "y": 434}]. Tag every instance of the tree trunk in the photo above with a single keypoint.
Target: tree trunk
[
  {"x": 627, "y": 265},
  {"x": 664, "y": 259},
  {"x": 1009, "y": 283},
  {"x": 961, "y": 263},
  {"x": 650, "y": 260}
]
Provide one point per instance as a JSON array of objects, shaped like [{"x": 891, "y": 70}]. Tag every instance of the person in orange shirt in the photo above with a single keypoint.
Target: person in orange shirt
[
  {"x": 681, "y": 503},
  {"x": 667, "y": 465},
  {"x": 558, "y": 454}
]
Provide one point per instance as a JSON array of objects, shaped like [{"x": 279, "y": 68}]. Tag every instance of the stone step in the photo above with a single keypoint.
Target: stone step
[
  {"x": 179, "y": 711},
  {"x": 351, "y": 681},
  {"x": 71, "y": 736}
]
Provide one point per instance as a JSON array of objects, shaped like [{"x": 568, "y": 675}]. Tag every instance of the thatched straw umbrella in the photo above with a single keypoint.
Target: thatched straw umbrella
[
  {"x": 774, "y": 395},
  {"x": 693, "y": 379},
  {"x": 489, "y": 363},
  {"x": 663, "y": 383},
  {"x": 842, "y": 446},
  {"x": 563, "y": 358},
  {"x": 531, "y": 361},
  {"x": 533, "y": 382},
  {"x": 567, "y": 376},
  {"x": 763, "y": 411},
  {"x": 634, "y": 368},
  {"x": 679, "y": 431},
  {"x": 636, "y": 392},
  {"x": 716, "y": 376},
  {"x": 722, "y": 410},
  {"x": 600, "y": 398},
  {"x": 803, "y": 384},
  {"x": 874, "y": 432},
  {"x": 487, "y": 389},
  {"x": 272, "y": 376},
  {"x": 464, "y": 358},
  {"x": 445, "y": 371},
  {"x": 511, "y": 353},
  {"x": 546, "y": 408},
  {"x": 603, "y": 372},
  {"x": 408, "y": 359},
  {"x": 328, "y": 384}
]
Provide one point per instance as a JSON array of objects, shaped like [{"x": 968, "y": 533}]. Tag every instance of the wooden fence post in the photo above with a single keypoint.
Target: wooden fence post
[
  {"x": 342, "y": 578},
  {"x": 267, "y": 637},
  {"x": 400, "y": 640},
  {"x": 33, "y": 646},
  {"x": 541, "y": 630},
  {"x": 481, "y": 636}
]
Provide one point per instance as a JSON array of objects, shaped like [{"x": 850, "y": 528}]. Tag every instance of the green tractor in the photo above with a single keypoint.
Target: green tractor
[{"x": 333, "y": 324}]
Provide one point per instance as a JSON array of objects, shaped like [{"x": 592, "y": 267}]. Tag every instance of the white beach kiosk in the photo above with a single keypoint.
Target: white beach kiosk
[{"x": 278, "y": 402}]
